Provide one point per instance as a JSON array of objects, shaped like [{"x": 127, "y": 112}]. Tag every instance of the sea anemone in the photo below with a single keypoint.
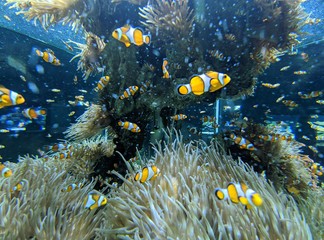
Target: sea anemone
[
  {"x": 40, "y": 210},
  {"x": 184, "y": 194},
  {"x": 90, "y": 54},
  {"x": 89, "y": 124},
  {"x": 48, "y": 13},
  {"x": 173, "y": 19}
]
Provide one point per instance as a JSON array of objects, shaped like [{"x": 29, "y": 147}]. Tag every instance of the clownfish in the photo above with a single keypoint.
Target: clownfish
[
  {"x": 147, "y": 173},
  {"x": 33, "y": 113},
  {"x": 164, "y": 68},
  {"x": 127, "y": 35},
  {"x": 5, "y": 171},
  {"x": 128, "y": 92},
  {"x": 179, "y": 117},
  {"x": 129, "y": 126},
  {"x": 94, "y": 200},
  {"x": 207, "y": 82},
  {"x": 102, "y": 83},
  {"x": 242, "y": 142},
  {"x": 17, "y": 187},
  {"x": 290, "y": 103},
  {"x": 144, "y": 87},
  {"x": 9, "y": 98},
  {"x": 48, "y": 56},
  {"x": 72, "y": 187},
  {"x": 239, "y": 193}
]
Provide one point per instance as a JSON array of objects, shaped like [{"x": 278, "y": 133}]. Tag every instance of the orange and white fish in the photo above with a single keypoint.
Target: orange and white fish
[
  {"x": 94, "y": 199},
  {"x": 34, "y": 113},
  {"x": 290, "y": 103},
  {"x": 242, "y": 142},
  {"x": 129, "y": 126},
  {"x": 165, "y": 69},
  {"x": 18, "y": 187},
  {"x": 300, "y": 72},
  {"x": 48, "y": 56},
  {"x": 102, "y": 83},
  {"x": 207, "y": 82},
  {"x": 9, "y": 98},
  {"x": 284, "y": 68},
  {"x": 72, "y": 187},
  {"x": 130, "y": 91},
  {"x": 269, "y": 85},
  {"x": 312, "y": 94},
  {"x": 148, "y": 173},
  {"x": 127, "y": 35},
  {"x": 5, "y": 171},
  {"x": 144, "y": 87},
  {"x": 179, "y": 117},
  {"x": 239, "y": 193}
]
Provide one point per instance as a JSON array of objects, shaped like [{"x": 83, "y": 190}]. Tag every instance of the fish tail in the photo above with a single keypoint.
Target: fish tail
[
  {"x": 39, "y": 53},
  {"x": 147, "y": 38}
]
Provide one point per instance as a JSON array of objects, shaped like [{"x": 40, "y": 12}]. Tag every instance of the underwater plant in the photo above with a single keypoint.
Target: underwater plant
[
  {"x": 89, "y": 62},
  {"x": 89, "y": 124},
  {"x": 27, "y": 213},
  {"x": 173, "y": 19},
  {"x": 48, "y": 13},
  {"x": 184, "y": 193}
]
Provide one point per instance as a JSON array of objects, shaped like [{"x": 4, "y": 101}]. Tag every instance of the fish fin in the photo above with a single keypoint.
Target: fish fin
[{"x": 127, "y": 44}]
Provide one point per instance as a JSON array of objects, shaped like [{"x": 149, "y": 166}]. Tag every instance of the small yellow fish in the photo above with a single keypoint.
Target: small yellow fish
[
  {"x": 280, "y": 98},
  {"x": 4, "y": 130},
  {"x": 320, "y": 102},
  {"x": 55, "y": 90},
  {"x": 300, "y": 72},
  {"x": 284, "y": 68},
  {"x": 71, "y": 113},
  {"x": 83, "y": 91},
  {"x": 269, "y": 85}
]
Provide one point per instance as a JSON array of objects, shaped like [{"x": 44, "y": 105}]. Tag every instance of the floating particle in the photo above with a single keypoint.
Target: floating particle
[
  {"x": 50, "y": 100},
  {"x": 202, "y": 112},
  {"x": 2, "y": 146},
  {"x": 83, "y": 91},
  {"x": 284, "y": 68}
]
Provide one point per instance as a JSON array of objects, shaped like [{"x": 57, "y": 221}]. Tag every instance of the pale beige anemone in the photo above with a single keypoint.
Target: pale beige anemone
[
  {"x": 180, "y": 203},
  {"x": 172, "y": 19},
  {"x": 41, "y": 210},
  {"x": 89, "y": 124},
  {"x": 48, "y": 13},
  {"x": 89, "y": 54}
]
